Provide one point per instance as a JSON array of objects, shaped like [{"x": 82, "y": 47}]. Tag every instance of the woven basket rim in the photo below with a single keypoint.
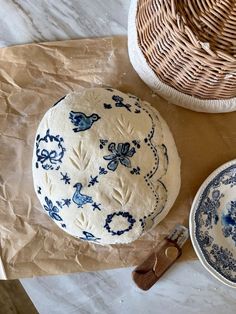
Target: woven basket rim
[
  {"x": 187, "y": 44},
  {"x": 172, "y": 95}
]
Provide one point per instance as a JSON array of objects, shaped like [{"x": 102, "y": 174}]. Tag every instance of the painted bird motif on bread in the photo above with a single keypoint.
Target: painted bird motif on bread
[{"x": 82, "y": 121}]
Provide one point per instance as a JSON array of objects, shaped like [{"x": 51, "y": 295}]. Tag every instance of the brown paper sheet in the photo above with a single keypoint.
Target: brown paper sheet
[{"x": 32, "y": 78}]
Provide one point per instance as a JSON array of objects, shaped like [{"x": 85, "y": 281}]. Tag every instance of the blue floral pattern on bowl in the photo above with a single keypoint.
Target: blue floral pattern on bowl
[
  {"x": 120, "y": 153},
  {"x": 213, "y": 219},
  {"x": 229, "y": 221}
]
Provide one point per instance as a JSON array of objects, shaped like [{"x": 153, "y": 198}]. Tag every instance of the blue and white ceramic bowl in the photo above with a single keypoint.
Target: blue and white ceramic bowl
[{"x": 213, "y": 223}]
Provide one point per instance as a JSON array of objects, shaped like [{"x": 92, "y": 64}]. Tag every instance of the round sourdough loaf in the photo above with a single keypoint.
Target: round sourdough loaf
[{"x": 105, "y": 166}]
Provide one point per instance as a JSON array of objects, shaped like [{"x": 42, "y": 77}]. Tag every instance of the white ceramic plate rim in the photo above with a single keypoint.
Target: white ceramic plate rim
[{"x": 192, "y": 225}]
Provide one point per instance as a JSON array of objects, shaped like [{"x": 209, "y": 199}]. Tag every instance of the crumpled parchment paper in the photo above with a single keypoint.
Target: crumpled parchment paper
[{"x": 32, "y": 78}]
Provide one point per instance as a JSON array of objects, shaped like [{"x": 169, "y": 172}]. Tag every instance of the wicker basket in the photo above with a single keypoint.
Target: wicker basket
[{"x": 186, "y": 50}]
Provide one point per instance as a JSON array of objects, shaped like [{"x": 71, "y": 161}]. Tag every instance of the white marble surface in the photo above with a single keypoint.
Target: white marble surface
[
  {"x": 25, "y": 21},
  {"x": 187, "y": 287}
]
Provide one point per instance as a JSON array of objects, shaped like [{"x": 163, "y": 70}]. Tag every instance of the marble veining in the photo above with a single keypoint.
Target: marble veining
[
  {"x": 187, "y": 288},
  {"x": 26, "y": 21}
]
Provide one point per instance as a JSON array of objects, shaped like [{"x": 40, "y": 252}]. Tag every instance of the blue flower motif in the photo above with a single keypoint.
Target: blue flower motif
[
  {"x": 136, "y": 143},
  {"x": 117, "y": 98},
  {"x": 205, "y": 239},
  {"x": 229, "y": 221},
  {"x": 102, "y": 143},
  {"x": 107, "y": 106},
  {"x": 49, "y": 151},
  {"x": 65, "y": 178},
  {"x": 135, "y": 171},
  {"x": 102, "y": 170},
  {"x": 224, "y": 260},
  {"x": 120, "y": 154},
  {"x": 67, "y": 202},
  {"x": 119, "y": 102},
  {"x": 93, "y": 181},
  {"x": 96, "y": 206},
  {"x": 231, "y": 180},
  {"x": 52, "y": 210},
  {"x": 210, "y": 206},
  {"x": 64, "y": 202}
]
